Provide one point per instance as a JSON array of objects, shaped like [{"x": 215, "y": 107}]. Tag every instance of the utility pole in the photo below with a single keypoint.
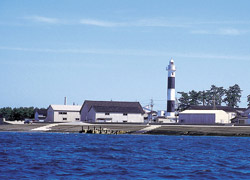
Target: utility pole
[
  {"x": 203, "y": 97},
  {"x": 214, "y": 105},
  {"x": 151, "y": 106}
]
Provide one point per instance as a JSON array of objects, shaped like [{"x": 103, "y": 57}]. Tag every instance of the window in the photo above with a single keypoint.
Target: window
[
  {"x": 65, "y": 119},
  {"x": 107, "y": 114},
  {"x": 125, "y": 121},
  {"x": 77, "y": 119},
  {"x": 125, "y": 114},
  {"x": 62, "y": 112}
]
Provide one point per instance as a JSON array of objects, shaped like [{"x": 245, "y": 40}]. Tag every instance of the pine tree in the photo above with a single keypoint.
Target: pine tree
[{"x": 233, "y": 95}]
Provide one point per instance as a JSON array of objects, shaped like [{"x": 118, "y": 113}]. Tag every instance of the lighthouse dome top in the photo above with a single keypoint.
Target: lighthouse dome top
[
  {"x": 171, "y": 66},
  {"x": 171, "y": 61}
]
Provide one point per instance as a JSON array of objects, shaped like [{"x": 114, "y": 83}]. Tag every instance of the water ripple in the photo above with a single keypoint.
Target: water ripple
[{"x": 79, "y": 156}]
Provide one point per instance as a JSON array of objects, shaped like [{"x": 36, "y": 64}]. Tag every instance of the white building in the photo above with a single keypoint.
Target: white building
[
  {"x": 112, "y": 111},
  {"x": 207, "y": 115},
  {"x": 63, "y": 113},
  {"x": 204, "y": 117}
]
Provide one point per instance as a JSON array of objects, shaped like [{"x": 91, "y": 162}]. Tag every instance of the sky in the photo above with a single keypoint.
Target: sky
[{"x": 119, "y": 50}]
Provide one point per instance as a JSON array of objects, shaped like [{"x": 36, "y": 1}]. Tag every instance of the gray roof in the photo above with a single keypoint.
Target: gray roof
[
  {"x": 41, "y": 111},
  {"x": 114, "y": 106},
  {"x": 224, "y": 108}
]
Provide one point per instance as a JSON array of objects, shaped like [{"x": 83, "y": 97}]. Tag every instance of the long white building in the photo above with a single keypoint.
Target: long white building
[
  {"x": 207, "y": 115},
  {"x": 112, "y": 111},
  {"x": 63, "y": 113},
  {"x": 204, "y": 117}
]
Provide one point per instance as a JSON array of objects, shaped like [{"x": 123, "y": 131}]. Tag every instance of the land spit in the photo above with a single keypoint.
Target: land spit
[{"x": 196, "y": 130}]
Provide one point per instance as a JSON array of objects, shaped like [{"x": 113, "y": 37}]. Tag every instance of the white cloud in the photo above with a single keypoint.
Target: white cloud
[
  {"x": 43, "y": 19},
  {"x": 99, "y": 23},
  {"x": 223, "y": 31},
  {"x": 135, "y": 23},
  {"x": 152, "y": 22}
]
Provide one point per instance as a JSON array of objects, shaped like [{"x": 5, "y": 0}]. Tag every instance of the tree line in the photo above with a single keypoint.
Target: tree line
[
  {"x": 21, "y": 113},
  {"x": 215, "y": 96}
]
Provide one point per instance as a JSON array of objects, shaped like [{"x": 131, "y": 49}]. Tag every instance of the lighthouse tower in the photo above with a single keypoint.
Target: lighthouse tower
[{"x": 171, "y": 90}]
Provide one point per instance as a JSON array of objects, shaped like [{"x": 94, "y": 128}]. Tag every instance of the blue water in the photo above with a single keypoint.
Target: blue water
[{"x": 80, "y": 156}]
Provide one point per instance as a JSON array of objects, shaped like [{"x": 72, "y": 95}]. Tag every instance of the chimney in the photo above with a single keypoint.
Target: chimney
[{"x": 65, "y": 100}]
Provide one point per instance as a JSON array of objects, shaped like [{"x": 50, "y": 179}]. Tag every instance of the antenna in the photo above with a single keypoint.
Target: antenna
[{"x": 65, "y": 100}]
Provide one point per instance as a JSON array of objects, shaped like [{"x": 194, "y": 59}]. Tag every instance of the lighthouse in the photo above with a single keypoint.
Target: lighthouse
[{"x": 171, "y": 90}]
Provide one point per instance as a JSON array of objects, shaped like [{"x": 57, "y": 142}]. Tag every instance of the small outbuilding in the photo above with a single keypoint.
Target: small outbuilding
[
  {"x": 246, "y": 112},
  {"x": 63, "y": 113},
  {"x": 40, "y": 114},
  {"x": 112, "y": 112}
]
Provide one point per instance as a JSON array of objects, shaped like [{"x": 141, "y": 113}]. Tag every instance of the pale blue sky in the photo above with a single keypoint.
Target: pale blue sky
[{"x": 109, "y": 49}]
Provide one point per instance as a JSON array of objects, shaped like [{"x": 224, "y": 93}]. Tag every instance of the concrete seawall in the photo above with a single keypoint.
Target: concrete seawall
[{"x": 196, "y": 130}]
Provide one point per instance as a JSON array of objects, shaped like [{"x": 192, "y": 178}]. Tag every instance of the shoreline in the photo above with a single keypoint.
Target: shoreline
[{"x": 188, "y": 130}]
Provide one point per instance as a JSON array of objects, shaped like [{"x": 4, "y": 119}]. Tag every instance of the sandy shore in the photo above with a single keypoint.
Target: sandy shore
[{"x": 197, "y": 130}]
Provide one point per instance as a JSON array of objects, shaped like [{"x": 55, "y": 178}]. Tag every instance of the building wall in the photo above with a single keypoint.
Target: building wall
[
  {"x": 114, "y": 117},
  {"x": 247, "y": 112},
  {"x": 84, "y": 113},
  {"x": 231, "y": 115},
  {"x": 120, "y": 118},
  {"x": 50, "y": 115},
  {"x": 55, "y": 116},
  {"x": 36, "y": 116},
  {"x": 205, "y": 117},
  {"x": 71, "y": 116},
  {"x": 91, "y": 116},
  {"x": 197, "y": 118},
  {"x": 223, "y": 117}
]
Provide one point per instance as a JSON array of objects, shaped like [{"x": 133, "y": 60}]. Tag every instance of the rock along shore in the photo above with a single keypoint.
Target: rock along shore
[{"x": 195, "y": 130}]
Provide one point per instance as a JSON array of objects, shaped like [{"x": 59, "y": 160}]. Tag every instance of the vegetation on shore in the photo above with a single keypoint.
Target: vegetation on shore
[
  {"x": 214, "y": 96},
  {"x": 20, "y": 113}
]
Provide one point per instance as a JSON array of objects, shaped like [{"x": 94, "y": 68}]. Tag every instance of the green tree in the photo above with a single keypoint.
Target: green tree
[
  {"x": 183, "y": 101},
  {"x": 6, "y": 112},
  {"x": 233, "y": 95},
  {"x": 195, "y": 98},
  {"x": 215, "y": 95}
]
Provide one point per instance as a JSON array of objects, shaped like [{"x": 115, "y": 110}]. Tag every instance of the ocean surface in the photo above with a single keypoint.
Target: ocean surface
[{"x": 81, "y": 156}]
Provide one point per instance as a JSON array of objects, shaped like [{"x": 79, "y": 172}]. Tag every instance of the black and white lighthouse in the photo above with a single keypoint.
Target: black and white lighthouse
[{"x": 171, "y": 90}]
